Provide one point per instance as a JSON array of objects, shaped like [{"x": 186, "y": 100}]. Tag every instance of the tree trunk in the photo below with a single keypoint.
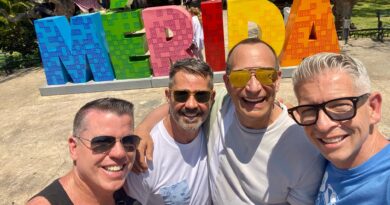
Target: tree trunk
[
  {"x": 342, "y": 9},
  {"x": 63, "y": 7}
]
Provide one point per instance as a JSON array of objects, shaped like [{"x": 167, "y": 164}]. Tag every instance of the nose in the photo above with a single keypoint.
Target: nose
[
  {"x": 253, "y": 85},
  {"x": 118, "y": 151},
  {"x": 324, "y": 123},
  {"x": 191, "y": 102}
]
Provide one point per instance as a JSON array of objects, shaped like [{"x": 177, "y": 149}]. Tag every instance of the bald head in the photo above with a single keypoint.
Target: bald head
[{"x": 239, "y": 51}]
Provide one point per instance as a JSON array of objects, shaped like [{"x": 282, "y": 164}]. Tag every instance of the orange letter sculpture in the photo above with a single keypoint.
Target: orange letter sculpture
[{"x": 310, "y": 30}]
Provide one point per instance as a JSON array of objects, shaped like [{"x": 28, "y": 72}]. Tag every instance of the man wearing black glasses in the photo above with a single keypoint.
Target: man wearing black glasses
[
  {"x": 178, "y": 173},
  {"x": 256, "y": 153},
  {"x": 102, "y": 148},
  {"x": 340, "y": 115}
]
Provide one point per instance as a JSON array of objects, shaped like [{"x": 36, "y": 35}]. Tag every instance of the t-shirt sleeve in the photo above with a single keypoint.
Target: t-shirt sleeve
[
  {"x": 306, "y": 190},
  {"x": 136, "y": 187}
]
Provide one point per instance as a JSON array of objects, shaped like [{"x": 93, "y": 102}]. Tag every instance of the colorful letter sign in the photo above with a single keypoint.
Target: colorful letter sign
[
  {"x": 213, "y": 34},
  {"x": 73, "y": 53},
  {"x": 127, "y": 48},
  {"x": 165, "y": 50},
  {"x": 310, "y": 30},
  {"x": 86, "y": 48},
  {"x": 262, "y": 12}
]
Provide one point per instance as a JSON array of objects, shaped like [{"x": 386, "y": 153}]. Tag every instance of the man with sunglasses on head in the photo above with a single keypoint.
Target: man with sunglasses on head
[
  {"x": 103, "y": 149},
  {"x": 340, "y": 114},
  {"x": 256, "y": 153},
  {"x": 178, "y": 173}
]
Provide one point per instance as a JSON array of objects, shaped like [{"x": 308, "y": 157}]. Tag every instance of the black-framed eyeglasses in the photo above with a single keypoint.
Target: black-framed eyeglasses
[
  {"x": 101, "y": 144},
  {"x": 339, "y": 109},
  {"x": 201, "y": 96}
]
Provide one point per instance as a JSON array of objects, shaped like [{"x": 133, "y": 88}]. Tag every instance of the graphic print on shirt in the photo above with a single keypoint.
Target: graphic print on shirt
[
  {"x": 326, "y": 195},
  {"x": 177, "y": 194}
]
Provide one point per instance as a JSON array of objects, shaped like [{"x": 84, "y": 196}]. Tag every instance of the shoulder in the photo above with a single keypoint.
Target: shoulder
[
  {"x": 295, "y": 143},
  {"x": 38, "y": 200}
]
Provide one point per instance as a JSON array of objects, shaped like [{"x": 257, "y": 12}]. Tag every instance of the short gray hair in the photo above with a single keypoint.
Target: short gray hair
[
  {"x": 319, "y": 63},
  {"x": 113, "y": 105},
  {"x": 192, "y": 66}
]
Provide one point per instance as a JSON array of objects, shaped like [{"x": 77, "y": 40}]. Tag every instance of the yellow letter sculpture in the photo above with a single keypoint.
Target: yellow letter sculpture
[{"x": 262, "y": 12}]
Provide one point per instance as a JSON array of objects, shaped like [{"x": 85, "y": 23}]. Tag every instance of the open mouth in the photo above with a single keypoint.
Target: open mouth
[
  {"x": 191, "y": 114},
  {"x": 115, "y": 168},
  {"x": 332, "y": 140},
  {"x": 254, "y": 100}
]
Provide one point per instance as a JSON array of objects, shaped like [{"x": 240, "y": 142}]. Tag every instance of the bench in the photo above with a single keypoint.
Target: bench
[{"x": 383, "y": 27}]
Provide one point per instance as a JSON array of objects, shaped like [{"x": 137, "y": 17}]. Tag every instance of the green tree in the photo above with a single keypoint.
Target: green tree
[{"x": 16, "y": 27}]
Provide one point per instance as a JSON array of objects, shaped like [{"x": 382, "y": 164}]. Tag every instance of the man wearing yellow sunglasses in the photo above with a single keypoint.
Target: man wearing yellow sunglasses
[{"x": 256, "y": 152}]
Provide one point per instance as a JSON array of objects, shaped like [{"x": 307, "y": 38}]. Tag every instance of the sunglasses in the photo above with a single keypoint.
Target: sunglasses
[
  {"x": 266, "y": 76},
  {"x": 182, "y": 96},
  {"x": 101, "y": 144}
]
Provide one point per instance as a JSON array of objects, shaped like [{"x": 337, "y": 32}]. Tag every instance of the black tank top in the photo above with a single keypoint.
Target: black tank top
[{"x": 56, "y": 195}]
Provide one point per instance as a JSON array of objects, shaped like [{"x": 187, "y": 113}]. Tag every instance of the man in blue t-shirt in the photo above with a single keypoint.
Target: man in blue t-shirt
[{"x": 340, "y": 115}]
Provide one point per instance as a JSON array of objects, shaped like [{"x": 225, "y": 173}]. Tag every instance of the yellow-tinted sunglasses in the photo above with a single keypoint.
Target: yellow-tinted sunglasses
[{"x": 239, "y": 78}]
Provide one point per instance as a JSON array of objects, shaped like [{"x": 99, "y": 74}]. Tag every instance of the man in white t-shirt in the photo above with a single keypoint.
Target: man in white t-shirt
[
  {"x": 178, "y": 173},
  {"x": 256, "y": 153}
]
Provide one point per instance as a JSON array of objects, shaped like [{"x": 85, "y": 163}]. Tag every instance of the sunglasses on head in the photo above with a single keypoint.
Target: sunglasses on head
[
  {"x": 101, "y": 144},
  {"x": 201, "y": 96},
  {"x": 239, "y": 78}
]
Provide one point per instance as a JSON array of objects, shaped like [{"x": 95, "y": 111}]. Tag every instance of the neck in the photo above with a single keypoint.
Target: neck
[
  {"x": 80, "y": 193},
  {"x": 269, "y": 118},
  {"x": 179, "y": 134},
  {"x": 374, "y": 143}
]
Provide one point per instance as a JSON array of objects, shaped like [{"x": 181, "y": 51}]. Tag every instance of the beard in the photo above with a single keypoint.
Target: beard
[{"x": 188, "y": 119}]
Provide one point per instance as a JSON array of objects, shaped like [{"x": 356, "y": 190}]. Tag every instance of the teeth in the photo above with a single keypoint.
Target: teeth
[
  {"x": 191, "y": 114},
  {"x": 254, "y": 100},
  {"x": 114, "y": 168},
  {"x": 332, "y": 140}
]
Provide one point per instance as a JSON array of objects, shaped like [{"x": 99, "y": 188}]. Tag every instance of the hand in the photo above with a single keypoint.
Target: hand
[
  {"x": 145, "y": 147},
  {"x": 192, "y": 46}
]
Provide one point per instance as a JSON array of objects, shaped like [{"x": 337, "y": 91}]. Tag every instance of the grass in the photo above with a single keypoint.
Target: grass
[{"x": 364, "y": 13}]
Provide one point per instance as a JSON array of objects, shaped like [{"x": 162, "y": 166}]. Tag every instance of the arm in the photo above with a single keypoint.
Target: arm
[
  {"x": 143, "y": 131},
  {"x": 38, "y": 200}
]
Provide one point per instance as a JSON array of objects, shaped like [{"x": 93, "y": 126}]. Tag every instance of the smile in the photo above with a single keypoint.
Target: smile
[
  {"x": 254, "y": 100},
  {"x": 115, "y": 168},
  {"x": 332, "y": 140}
]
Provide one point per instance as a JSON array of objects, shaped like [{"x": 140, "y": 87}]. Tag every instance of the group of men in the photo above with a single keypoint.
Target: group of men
[{"x": 239, "y": 145}]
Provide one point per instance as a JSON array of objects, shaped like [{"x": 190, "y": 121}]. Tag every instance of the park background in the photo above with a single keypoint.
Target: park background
[{"x": 34, "y": 129}]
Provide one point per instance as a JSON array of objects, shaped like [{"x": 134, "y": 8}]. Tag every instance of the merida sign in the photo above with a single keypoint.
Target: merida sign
[{"x": 123, "y": 44}]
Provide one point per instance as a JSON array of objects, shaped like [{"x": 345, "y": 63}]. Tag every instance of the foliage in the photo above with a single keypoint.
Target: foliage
[
  {"x": 16, "y": 29},
  {"x": 15, "y": 61}
]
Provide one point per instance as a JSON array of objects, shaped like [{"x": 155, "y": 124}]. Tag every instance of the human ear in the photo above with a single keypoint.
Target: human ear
[
  {"x": 72, "y": 147},
  {"x": 212, "y": 98},
  {"x": 227, "y": 83},
  {"x": 167, "y": 95},
  {"x": 375, "y": 104}
]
